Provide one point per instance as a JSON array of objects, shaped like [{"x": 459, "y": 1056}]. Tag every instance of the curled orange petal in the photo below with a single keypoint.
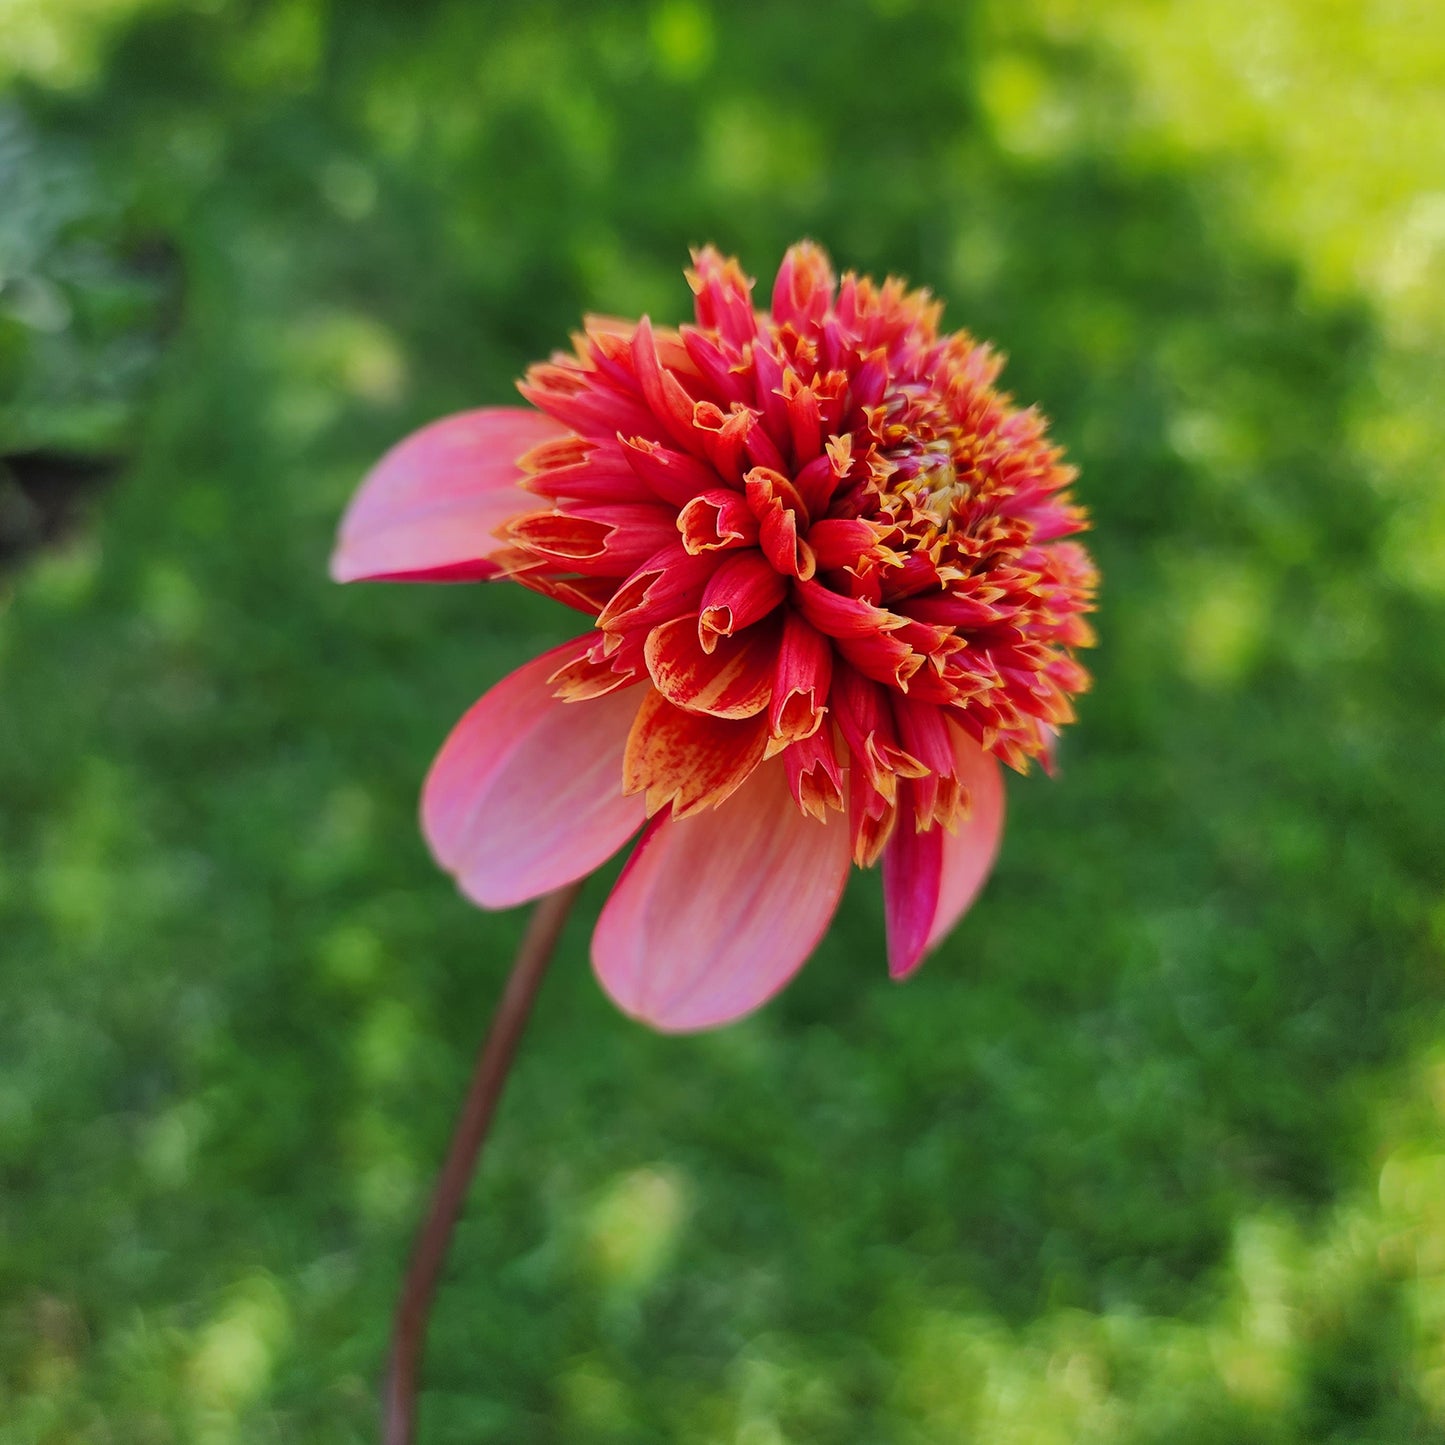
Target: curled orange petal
[{"x": 688, "y": 760}]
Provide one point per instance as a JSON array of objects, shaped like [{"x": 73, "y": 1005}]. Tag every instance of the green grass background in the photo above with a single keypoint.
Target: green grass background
[{"x": 1151, "y": 1151}]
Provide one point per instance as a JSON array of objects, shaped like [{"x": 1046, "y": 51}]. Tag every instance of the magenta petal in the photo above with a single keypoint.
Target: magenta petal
[
  {"x": 969, "y": 854},
  {"x": 930, "y": 879},
  {"x": 912, "y": 877},
  {"x": 715, "y": 913},
  {"x": 526, "y": 793},
  {"x": 428, "y": 509}
]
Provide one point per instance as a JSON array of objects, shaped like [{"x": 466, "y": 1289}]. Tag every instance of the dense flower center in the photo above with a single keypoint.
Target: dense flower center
[{"x": 817, "y": 532}]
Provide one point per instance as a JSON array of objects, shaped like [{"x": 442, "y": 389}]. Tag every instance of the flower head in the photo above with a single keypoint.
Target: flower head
[{"x": 829, "y": 590}]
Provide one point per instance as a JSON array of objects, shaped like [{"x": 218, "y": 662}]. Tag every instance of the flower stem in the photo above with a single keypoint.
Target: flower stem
[{"x": 398, "y": 1397}]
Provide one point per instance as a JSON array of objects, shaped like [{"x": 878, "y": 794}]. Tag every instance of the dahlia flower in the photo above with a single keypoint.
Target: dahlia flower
[{"x": 827, "y": 589}]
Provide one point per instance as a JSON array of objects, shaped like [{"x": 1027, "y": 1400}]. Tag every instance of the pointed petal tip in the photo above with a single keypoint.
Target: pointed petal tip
[
  {"x": 931, "y": 879},
  {"x": 912, "y": 882},
  {"x": 904, "y": 962},
  {"x": 339, "y": 567}
]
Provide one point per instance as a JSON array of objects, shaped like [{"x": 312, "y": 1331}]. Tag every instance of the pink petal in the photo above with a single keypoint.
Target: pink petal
[
  {"x": 930, "y": 879},
  {"x": 526, "y": 793},
  {"x": 715, "y": 913},
  {"x": 912, "y": 878},
  {"x": 428, "y": 509},
  {"x": 969, "y": 854}
]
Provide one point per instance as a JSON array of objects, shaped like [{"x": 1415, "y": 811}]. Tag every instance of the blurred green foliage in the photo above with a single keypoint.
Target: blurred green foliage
[
  {"x": 1152, "y": 1150},
  {"x": 81, "y": 303}
]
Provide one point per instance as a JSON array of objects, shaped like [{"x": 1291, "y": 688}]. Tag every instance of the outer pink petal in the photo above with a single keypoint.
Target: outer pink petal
[
  {"x": 930, "y": 879},
  {"x": 715, "y": 913},
  {"x": 526, "y": 793},
  {"x": 428, "y": 509}
]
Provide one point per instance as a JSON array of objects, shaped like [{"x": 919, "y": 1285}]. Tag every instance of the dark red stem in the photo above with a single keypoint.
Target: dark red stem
[{"x": 398, "y": 1397}]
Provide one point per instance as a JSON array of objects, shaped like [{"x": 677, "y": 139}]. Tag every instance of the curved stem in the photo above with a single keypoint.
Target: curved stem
[{"x": 398, "y": 1398}]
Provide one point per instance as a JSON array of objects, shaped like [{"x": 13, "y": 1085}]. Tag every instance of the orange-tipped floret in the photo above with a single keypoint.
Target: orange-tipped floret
[{"x": 867, "y": 542}]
